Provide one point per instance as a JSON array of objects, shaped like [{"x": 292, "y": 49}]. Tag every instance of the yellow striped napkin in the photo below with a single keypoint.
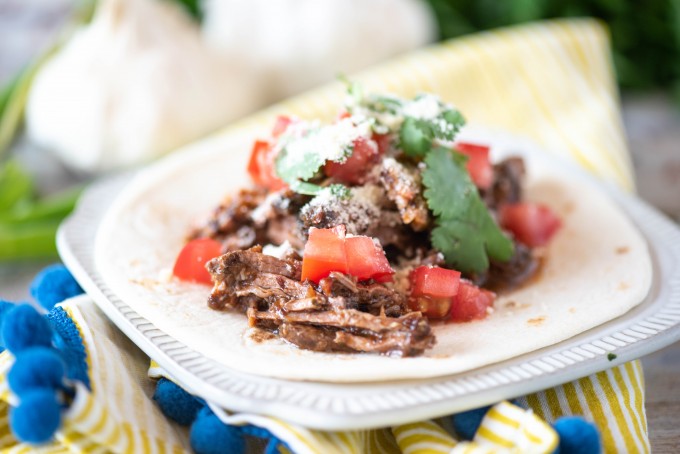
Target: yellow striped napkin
[{"x": 550, "y": 81}]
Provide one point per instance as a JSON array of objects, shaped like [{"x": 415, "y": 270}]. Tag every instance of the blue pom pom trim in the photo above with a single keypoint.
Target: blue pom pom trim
[
  {"x": 176, "y": 403},
  {"x": 209, "y": 435},
  {"x": 5, "y": 306},
  {"x": 23, "y": 327},
  {"x": 577, "y": 436},
  {"x": 70, "y": 345},
  {"x": 53, "y": 285},
  {"x": 37, "y": 417},
  {"x": 467, "y": 422},
  {"x": 36, "y": 368}
]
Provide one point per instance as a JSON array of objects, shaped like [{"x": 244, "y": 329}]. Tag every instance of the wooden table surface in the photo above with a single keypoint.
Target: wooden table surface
[{"x": 652, "y": 124}]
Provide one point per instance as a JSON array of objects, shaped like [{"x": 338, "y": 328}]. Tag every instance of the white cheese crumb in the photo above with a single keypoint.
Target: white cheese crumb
[
  {"x": 330, "y": 142},
  {"x": 356, "y": 212},
  {"x": 278, "y": 251},
  {"x": 262, "y": 212},
  {"x": 369, "y": 193},
  {"x": 426, "y": 107}
]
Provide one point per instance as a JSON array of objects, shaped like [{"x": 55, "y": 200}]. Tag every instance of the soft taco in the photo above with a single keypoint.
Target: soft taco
[{"x": 379, "y": 246}]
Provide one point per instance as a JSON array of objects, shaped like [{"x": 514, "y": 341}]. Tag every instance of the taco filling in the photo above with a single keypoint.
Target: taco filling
[{"x": 357, "y": 235}]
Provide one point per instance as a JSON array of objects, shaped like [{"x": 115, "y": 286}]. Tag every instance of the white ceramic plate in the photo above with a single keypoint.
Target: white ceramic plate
[{"x": 648, "y": 327}]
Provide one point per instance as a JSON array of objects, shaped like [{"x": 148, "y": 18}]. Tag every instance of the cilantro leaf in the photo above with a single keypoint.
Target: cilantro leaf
[
  {"x": 302, "y": 187},
  {"x": 418, "y": 134},
  {"x": 466, "y": 233},
  {"x": 337, "y": 190},
  {"x": 295, "y": 168},
  {"x": 301, "y": 157}
]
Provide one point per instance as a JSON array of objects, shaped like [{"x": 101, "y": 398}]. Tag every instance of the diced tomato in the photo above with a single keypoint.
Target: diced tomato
[
  {"x": 433, "y": 308},
  {"x": 324, "y": 252},
  {"x": 190, "y": 263},
  {"x": 343, "y": 114},
  {"x": 328, "y": 250},
  {"x": 384, "y": 142},
  {"x": 471, "y": 302},
  {"x": 478, "y": 164},
  {"x": 282, "y": 123},
  {"x": 261, "y": 166},
  {"x": 366, "y": 260},
  {"x": 432, "y": 290},
  {"x": 434, "y": 281},
  {"x": 533, "y": 224},
  {"x": 354, "y": 170}
]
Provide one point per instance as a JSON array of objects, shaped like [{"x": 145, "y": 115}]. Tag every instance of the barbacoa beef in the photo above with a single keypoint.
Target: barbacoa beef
[
  {"x": 339, "y": 314},
  {"x": 252, "y": 217},
  {"x": 403, "y": 187},
  {"x": 507, "y": 183}
]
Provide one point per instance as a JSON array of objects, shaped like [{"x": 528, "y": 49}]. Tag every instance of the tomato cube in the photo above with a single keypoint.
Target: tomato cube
[
  {"x": 190, "y": 263},
  {"x": 434, "y": 281},
  {"x": 478, "y": 164},
  {"x": 366, "y": 260},
  {"x": 261, "y": 166},
  {"x": 532, "y": 224},
  {"x": 471, "y": 302},
  {"x": 324, "y": 252},
  {"x": 353, "y": 171},
  {"x": 282, "y": 123}
]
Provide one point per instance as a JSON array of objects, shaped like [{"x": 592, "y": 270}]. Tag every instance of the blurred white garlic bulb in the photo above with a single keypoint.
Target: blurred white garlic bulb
[
  {"x": 136, "y": 82},
  {"x": 296, "y": 44}
]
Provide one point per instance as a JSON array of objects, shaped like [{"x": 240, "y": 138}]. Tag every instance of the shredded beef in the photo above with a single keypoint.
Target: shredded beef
[
  {"x": 231, "y": 223},
  {"x": 506, "y": 275},
  {"x": 251, "y": 217},
  {"x": 360, "y": 317},
  {"x": 372, "y": 298},
  {"x": 308, "y": 337},
  {"x": 507, "y": 184},
  {"x": 355, "y": 214},
  {"x": 263, "y": 276},
  {"x": 404, "y": 189}
]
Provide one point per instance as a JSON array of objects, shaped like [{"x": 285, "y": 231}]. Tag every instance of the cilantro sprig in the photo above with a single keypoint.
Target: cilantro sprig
[
  {"x": 417, "y": 134},
  {"x": 465, "y": 233},
  {"x": 300, "y": 159}
]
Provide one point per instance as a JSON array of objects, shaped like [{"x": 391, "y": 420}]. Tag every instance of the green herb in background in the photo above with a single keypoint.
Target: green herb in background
[
  {"x": 645, "y": 35},
  {"x": 192, "y": 7},
  {"x": 13, "y": 98},
  {"x": 28, "y": 225}
]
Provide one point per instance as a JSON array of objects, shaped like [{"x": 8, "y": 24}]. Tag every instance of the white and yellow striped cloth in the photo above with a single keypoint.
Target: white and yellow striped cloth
[{"x": 552, "y": 82}]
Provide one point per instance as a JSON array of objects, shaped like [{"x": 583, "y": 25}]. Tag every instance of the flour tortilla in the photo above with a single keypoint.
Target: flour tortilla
[{"x": 596, "y": 268}]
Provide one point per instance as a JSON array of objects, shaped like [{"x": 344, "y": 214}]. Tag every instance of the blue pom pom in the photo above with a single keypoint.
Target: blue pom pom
[
  {"x": 23, "y": 327},
  {"x": 5, "y": 306},
  {"x": 53, "y": 285},
  {"x": 577, "y": 436},
  {"x": 176, "y": 403},
  {"x": 467, "y": 423},
  {"x": 37, "y": 417},
  {"x": 209, "y": 435},
  {"x": 36, "y": 368}
]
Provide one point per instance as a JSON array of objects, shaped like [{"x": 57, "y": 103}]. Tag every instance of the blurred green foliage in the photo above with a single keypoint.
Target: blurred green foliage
[
  {"x": 28, "y": 224},
  {"x": 645, "y": 34}
]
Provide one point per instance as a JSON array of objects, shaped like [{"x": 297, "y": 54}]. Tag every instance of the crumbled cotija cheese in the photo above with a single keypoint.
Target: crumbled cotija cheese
[
  {"x": 355, "y": 212},
  {"x": 330, "y": 143},
  {"x": 260, "y": 214},
  {"x": 426, "y": 107},
  {"x": 278, "y": 251}
]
